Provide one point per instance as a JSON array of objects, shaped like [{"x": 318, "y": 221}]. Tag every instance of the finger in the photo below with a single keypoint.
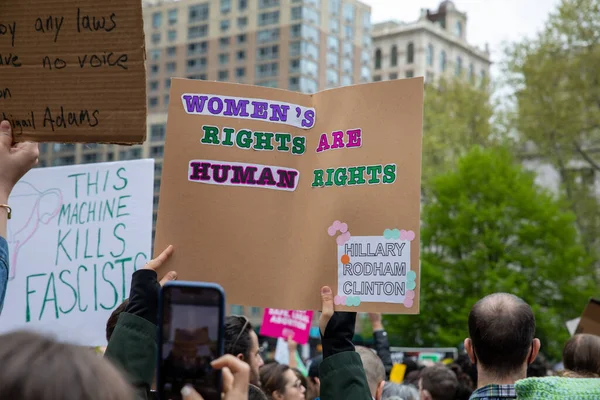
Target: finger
[
  {"x": 170, "y": 276},
  {"x": 240, "y": 370},
  {"x": 189, "y": 393},
  {"x": 326, "y": 307},
  {"x": 227, "y": 380},
  {"x": 5, "y": 134},
  {"x": 26, "y": 152},
  {"x": 160, "y": 260}
]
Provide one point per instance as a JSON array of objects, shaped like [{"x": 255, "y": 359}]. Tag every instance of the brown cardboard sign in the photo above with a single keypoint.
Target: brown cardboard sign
[
  {"x": 590, "y": 319},
  {"x": 73, "y": 71},
  {"x": 273, "y": 194}
]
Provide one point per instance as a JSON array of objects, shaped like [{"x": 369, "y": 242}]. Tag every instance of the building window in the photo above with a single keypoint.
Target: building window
[
  {"x": 242, "y": 22},
  {"x": 377, "y": 78},
  {"x": 378, "y": 59},
  {"x": 348, "y": 49},
  {"x": 198, "y": 13},
  {"x": 308, "y": 85},
  {"x": 166, "y": 100},
  {"x": 311, "y": 15},
  {"x": 471, "y": 73},
  {"x": 157, "y": 132},
  {"x": 294, "y": 83},
  {"x": 296, "y": 13},
  {"x": 347, "y": 80},
  {"x": 242, "y": 5},
  {"x": 268, "y": 18},
  {"x": 157, "y": 151},
  {"x": 110, "y": 156},
  {"x": 171, "y": 67},
  {"x": 459, "y": 28},
  {"x": 430, "y": 55},
  {"x": 333, "y": 44},
  {"x": 458, "y": 69},
  {"x": 172, "y": 16},
  {"x": 394, "y": 56},
  {"x": 225, "y": 6},
  {"x": 334, "y": 7},
  {"x": 393, "y": 76},
  {"x": 294, "y": 66},
  {"x": 349, "y": 32},
  {"x": 255, "y": 311},
  {"x": 171, "y": 51},
  {"x": 223, "y": 75},
  {"x": 200, "y": 77},
  {"x": 154, "y": 69},
  {"x": 443, "y": 60},
  {"x": 224, "y": 43},
  {"x": 268, "y": 53},
  {"x": 168, "y": 83},
  {"x": 272, "y": 83},
  {"x": 333, "y": 78},
  {"x": 268, "y": 35},
  {"x": 267, "y": 3},
  {"x": 334, "y": 25},
  {"x": 332, "y": 60},
  {"x": 155, "y": 55},
  {"x": 156, "y": 20},
  {"x": 349, "y": 12},
  {"x": 225, "y": 24},
  {"x": 195, "y": 32},
  {"x": 224, "y": 59},
  {"x": 68, "y": 160},
  {"x": 237, "y": 310},
  {"x": 365, "y": 73},
  {"x": 410, "y": 53},
  {"x": 410, "y": 73},
  {"x": 153, "y": 86},
  {"x": 366, "y": 21},
  {"x": 240, "y": 72},
  {"x": 172, "y": 35},
  {"x": 90, "y": 158},
  {"x": 156, "y": 38},
  {"x": 153, "y": 102},
  {"x": 197, "y": 48},
  {"x": 482, "y": 76},
  {"x": 241, "y": 55},
  {"x": 267, "y": 70},
  {"x": 241, "y": 38},
  {"x": 347, "y": 66},
  {"x": 60, "y": 147},
  {"x": 196, "y": 64}
]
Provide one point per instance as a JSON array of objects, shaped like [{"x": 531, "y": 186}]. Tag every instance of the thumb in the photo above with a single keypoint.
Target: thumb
[
  {"x": 188, "y": 393},
  {"x": 326, "y": 307},
  {"x": 170, "y": 276},
  {"x": 6, "y": 138}
]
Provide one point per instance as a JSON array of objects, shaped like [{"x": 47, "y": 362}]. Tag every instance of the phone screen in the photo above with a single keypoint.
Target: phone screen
[{"x": 192, "y": 319}]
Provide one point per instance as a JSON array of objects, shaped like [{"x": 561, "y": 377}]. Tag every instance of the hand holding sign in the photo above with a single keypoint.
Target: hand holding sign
[{"x": 15, "y": 160}]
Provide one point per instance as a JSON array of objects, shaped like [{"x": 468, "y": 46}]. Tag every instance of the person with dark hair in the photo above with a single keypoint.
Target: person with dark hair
[
  {"x": 242, "y": 342},
  {"x": 538, "y": 368},
  {"x": 501, "y": 344},
  {"x": 314, "y": 383},
  {"x": 374, "y": 370},
  {"x": 467, "y": 367},
  {"x": 581, "y": 355},
  {"x": 254, "y": 393},
  {"x": 279, "y": 382},
  {"x": 412, "y": 378},
  {"x": 35, "y": 367},
  {"x": 438, "y": 383},
  {"x": 15, "y": 161},
  {"x": 114, "y": 317},
  {"x": 465, "y": 384},
  {"x": 302, "y": 379}
]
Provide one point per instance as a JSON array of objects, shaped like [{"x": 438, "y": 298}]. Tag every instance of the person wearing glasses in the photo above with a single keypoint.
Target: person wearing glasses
[
  {"x": 242, "y": 342},
  {"x": 279, "y": 382}
]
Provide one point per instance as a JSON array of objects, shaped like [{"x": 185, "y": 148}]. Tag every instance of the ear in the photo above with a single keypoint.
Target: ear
[
  {"x": 240, "y": 357},
  {"x": 318, "y": 381},
  {"x": 469, "y": 349},
  {"x": 425, "y": 395},
  {"x": 535, "y": 350},
  {"x": 276, "y": 395},
  {"x": 379, "y": 391}
]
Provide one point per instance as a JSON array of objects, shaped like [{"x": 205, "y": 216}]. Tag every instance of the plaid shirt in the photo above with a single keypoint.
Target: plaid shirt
[{"x": 494, "y": 392}]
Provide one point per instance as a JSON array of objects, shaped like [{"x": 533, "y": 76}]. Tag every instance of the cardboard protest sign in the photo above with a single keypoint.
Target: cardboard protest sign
[
  {"x": 73, "y": 71},
  {"x": 76, "y": 235},
  {"x": 287, "y": 324},
  {"x": 590, "y": 319},
  {"x": 274, "y": 194}
]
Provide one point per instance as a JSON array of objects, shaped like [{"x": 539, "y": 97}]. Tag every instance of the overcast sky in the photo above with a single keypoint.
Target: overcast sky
[{"x": 489, "y": 21}]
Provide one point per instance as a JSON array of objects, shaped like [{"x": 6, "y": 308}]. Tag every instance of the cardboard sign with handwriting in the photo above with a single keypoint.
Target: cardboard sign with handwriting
[
  {"x": 274, "y": 194},
  {"x": 73, "y": 71}
]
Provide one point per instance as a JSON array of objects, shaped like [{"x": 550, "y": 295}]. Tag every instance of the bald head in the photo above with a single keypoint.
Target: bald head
[
  {"x": 502, "y": 329},
  {"x": 373, "y": 368}
]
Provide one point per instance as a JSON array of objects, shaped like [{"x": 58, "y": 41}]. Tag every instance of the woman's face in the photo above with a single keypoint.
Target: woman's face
[{"x": 293, "y": 387}]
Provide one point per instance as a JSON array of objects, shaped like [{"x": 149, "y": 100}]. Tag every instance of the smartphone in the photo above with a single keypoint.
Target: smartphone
[{"x": 190, "y": 336}]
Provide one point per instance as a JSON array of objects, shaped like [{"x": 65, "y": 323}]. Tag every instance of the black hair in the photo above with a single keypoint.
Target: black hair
[
  {"x": 114, "y": 318},
  {"x": 236, "y": 341},
  {"x": 502, "y": 329},
  {"x": 440, "y": 382}
]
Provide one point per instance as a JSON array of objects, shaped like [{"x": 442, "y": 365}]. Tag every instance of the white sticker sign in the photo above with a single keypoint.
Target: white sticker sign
[
  {"x": 374, "y": 269},
  {"x": 76, "y": 236}
]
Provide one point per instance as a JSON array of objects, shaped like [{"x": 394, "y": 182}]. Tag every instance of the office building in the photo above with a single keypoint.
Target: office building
[{"x": 433, "y": 46}]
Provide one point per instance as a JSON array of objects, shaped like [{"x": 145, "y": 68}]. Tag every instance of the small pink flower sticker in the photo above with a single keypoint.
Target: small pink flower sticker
[
  {"x": 409, "y": 298},
  {"x": 339, "y": 300},
  {"x": 407, "y": 235},
  {"x": 343, "y": 238}
]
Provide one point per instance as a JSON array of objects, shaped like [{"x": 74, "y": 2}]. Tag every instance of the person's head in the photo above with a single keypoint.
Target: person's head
[
  {"x": 314, "y": 383},
  {"x": 302, "y": 379},
  {"x": 538, "y": 368},
  {"x": 254, "y": 393},
  {"x": 501, "y": 337},
  {"x": 374, "y": 369},
  {"x": 582, "y": 355},
  {"x": 412, "y": 378},
  {"x": 242, "y": 342},
  {"x": 465, "y": 384},
  {"x": 438, "y": 383},
  {"x": 394, "y": 390},
  {"x": 35, "y": 367},
  {"x": 114, "y": 318},
  {"x": 279, "y": 382}
]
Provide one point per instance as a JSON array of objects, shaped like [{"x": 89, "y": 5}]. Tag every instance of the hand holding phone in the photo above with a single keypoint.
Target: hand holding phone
[{"x": 191, "y": 337}]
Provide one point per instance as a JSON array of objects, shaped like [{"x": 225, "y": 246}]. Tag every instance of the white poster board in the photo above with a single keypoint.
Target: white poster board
[{"x": 76, "y": 235}]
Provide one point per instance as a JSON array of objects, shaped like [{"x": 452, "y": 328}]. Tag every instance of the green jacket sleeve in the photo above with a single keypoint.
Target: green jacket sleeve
[
  {"x": 343, "y": 378},
  {"x": 133, "y": 348}
]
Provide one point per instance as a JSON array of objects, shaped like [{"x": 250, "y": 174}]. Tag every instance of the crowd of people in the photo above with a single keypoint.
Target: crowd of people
[{"x": 501, "y": 348}]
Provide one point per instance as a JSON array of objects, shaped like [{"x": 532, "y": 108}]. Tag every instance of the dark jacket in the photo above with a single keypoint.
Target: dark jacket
[
  {"x": 341, "y": 372},
  {"x": 382, "y": 346}
]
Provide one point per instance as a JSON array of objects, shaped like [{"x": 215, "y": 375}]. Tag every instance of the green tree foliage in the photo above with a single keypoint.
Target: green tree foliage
[
  {"x": 556, "y": 77},
  {"x": 488, "y": 228}
]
